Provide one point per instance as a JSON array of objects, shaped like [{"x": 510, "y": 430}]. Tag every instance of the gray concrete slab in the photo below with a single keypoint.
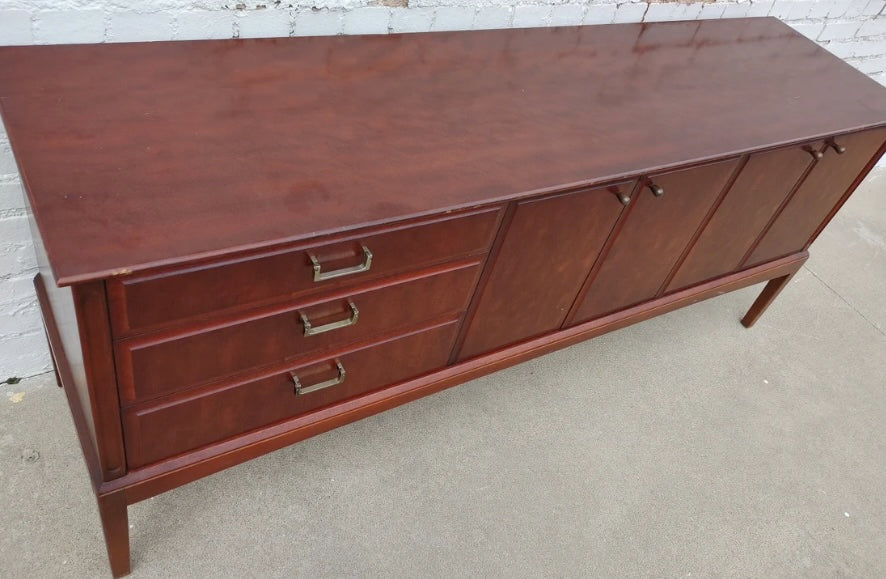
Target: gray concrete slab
[
  {"x": 850, "y": 255},
  {"x": 682, "y": 446}
]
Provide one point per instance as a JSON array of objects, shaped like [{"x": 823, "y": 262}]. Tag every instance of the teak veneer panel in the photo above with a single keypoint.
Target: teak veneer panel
[{"x": 147, "y": 154}]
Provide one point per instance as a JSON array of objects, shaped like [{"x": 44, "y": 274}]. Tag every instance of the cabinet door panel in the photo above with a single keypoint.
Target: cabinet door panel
[
  {"x": 548, "y": 250},
  {"x": 820, "y": 192},
  {"x": 760, "y": 189},
  {"x": 653, "y": 238}
]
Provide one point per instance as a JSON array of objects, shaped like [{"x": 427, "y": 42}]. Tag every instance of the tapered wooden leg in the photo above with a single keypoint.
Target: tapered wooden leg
[
  {"x": 115, "y": 524},
  {"x": 766, "y": 297}
]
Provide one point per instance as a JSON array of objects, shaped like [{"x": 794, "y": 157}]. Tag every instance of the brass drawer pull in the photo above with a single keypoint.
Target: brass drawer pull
[
  {"x": 622, "y": 198},
  {"x": 657, "y": 190},
  {"x": 322, "y": 276},
  {"x": 299, "y": 389},
  {"x": 349, "y": 321}
]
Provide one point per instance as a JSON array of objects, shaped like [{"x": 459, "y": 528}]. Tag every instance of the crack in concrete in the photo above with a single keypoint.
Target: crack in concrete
[{"x": 845, "y": 301}]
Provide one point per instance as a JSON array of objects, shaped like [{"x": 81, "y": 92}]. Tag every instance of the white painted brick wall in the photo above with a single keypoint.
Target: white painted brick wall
[
  {"x": 600, "y": 14},
  {"x": 453, "y": 18},
  {"x": 84, "y": 26},
  {"x": 854, "y": 30},
  {"x": 567, "y": 15},
  {"x": 493, "y": 17},
  {"x": 318, "y": 23},
  {"x": 264, "y": 23},
  {"x": 204, "y": 24},
  {"x": 412, "y": 19},
  {"x": 531, "y": 15},
  {"x": 367, "y": 20},
  {"x": 136, "y": 27}
]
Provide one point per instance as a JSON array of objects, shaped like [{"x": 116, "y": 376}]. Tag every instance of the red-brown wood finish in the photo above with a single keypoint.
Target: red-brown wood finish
[
  {"x": 81, "y": 351},
  {"x": 164, "y": 430},
  {"x": 765, "y": 299},
  {"x": 148, "y": 302},
  {"x": 760, "y": 189},
  {"x": 157, "y": 364},
  {"x": 78, "y": 401},
  {"x": 99, "y": 373},
  {"x": 78, "y": 332},
  {"x": 312, "y": 136},
  {"x": 794, "y": 227},
  {"x": 549, "y": 248},
  {"x": 144, "y": 483},
  {"x": 115, "y": 527},
  {"x": 654, "y": 235},
  {"x": 181, "y": 203}
]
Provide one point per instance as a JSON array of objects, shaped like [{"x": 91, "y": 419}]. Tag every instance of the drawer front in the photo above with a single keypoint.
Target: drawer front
[
  {"x": 655, "y": 233},
  {"x": 548, "y": 250},
  {"x": 145, "y": 303},
  {"x": 821, "y": 192},
  {"x": 152, "y": 366},
  {"x": 762, "y": 186},
  {"x": 171, "y": 428}
]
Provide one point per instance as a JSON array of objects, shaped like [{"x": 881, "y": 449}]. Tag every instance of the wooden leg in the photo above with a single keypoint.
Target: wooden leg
[
  {"x": 766, "y": 297},
  {"x": 115, "y": 524}
]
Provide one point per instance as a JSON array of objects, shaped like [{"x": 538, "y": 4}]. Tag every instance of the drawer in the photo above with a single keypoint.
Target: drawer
[
  {"x": 167, "y": 429},
  {"x": 143, "y": 303},
  {"x": 150, "y": 366}
]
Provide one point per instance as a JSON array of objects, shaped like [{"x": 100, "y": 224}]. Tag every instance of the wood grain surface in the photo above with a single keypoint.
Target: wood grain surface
[{"x": 148, "y": 154}]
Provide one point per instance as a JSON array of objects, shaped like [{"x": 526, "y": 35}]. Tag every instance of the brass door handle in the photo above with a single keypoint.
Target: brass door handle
[
  {"x": 657, "y": 190},
  {"x": 310, "y": 330},
  {"x": 840, "y": 149},
  {"x": 299, "y": 389},
  {"x": 320, "y": 275},
  {"x": 816, "y": 154},
  {"x": 622, "y": 198}
]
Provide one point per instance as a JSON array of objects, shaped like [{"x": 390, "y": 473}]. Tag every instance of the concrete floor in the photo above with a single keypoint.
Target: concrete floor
[{"x": 685, "y": 445}]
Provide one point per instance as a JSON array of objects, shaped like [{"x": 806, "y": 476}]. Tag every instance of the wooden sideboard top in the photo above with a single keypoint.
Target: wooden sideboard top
[{"x": 148, "y": 154}]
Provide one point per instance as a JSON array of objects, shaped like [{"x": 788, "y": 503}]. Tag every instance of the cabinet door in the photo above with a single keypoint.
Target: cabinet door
[
  {"x": 654, "y": 236},
  {"x": 760, "y": 189},
  {"x": 548, "y": 250},
  {"x": 810, "y": 207}
]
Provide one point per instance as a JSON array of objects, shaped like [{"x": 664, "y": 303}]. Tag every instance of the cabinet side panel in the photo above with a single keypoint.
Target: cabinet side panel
[
  {"x": 60, "y": 320},
  {"x": 81, "y": 345}
]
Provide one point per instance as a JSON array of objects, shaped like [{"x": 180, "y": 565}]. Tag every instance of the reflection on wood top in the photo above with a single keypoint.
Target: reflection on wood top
[{"x": 147, "y": 154}]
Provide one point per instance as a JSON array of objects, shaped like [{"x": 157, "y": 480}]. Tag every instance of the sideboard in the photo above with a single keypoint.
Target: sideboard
[{"x": 244, "y": 243}]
